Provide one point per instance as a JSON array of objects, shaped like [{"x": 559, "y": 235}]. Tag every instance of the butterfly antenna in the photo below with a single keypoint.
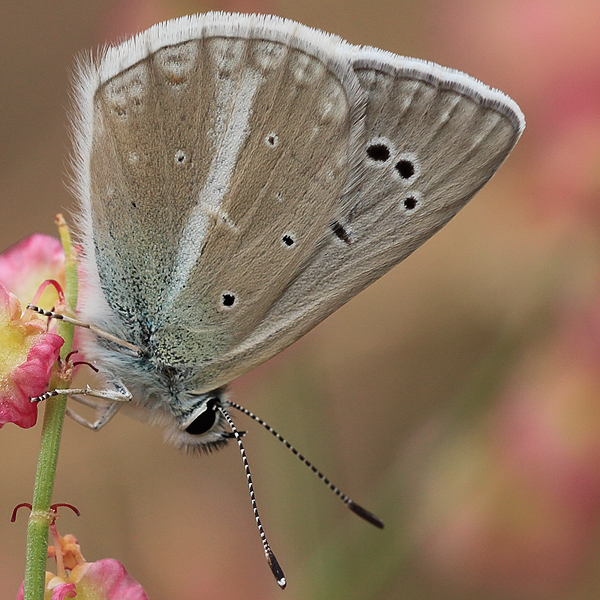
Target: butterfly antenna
[
  {"x": 353, "y": 506},
  {"x": 273, "y": 564}
]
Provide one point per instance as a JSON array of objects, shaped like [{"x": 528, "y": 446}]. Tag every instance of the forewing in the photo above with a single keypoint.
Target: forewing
[{"x": 214, "y": 154}]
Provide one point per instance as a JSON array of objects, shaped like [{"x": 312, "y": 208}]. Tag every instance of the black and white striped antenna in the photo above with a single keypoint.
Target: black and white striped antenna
[
  {"x": 353, "y": 506},
  {"x": 273, "y": 564}
]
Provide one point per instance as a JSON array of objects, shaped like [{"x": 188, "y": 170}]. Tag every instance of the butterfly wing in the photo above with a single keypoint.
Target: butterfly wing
[
  {"x": 430, "y": 139},
  {"x": 242, "y": 177},
  {"x": 212, "y": 154}
]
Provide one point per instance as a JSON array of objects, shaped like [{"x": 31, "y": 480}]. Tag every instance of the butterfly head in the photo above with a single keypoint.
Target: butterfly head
[{"x": 200, "y": 426}]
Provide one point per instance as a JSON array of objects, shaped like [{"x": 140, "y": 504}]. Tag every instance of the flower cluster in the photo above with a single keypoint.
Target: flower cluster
[
  {"x": 34, "y": 271},
  {"x": 28, "y": 350},
  {"x": 105, "y": 579}
]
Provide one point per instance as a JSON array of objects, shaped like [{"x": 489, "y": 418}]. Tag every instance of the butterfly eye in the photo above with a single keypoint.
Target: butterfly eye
[{"x": 204, "y": 421}]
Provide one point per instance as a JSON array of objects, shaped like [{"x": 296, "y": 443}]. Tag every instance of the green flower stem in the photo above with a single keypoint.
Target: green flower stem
[{"x": 54, "y": 415}]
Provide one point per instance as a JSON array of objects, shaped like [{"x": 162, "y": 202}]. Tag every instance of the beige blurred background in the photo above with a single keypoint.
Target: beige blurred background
[{"x": 458, "y": 397}]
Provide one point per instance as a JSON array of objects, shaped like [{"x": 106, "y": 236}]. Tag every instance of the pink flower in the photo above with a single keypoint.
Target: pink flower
[
  {"x": 30, "y": 262},
  {"x": 27, "y": 349},
  {"x": 105, "y": 579},
  {"x": 27, "y": 354},
  {"x": 70, "y": 549}
]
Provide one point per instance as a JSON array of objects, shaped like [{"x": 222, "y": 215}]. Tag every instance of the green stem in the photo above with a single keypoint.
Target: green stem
[{"x": 54, "y": 415}]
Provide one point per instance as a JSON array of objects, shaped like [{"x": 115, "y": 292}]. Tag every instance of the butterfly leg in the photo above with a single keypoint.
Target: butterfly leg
[
  {"x": 121, "y": 394},
  {"x": 99, "y": 332},
  {"x": 104, "y": 413}
]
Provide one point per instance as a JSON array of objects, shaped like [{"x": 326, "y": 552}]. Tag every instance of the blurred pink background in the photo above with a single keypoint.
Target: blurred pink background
[{"x": 458, "y": 397}]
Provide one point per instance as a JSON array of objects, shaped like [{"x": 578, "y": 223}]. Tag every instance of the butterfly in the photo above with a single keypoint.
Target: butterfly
[{"x": 239, "y": 178}]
